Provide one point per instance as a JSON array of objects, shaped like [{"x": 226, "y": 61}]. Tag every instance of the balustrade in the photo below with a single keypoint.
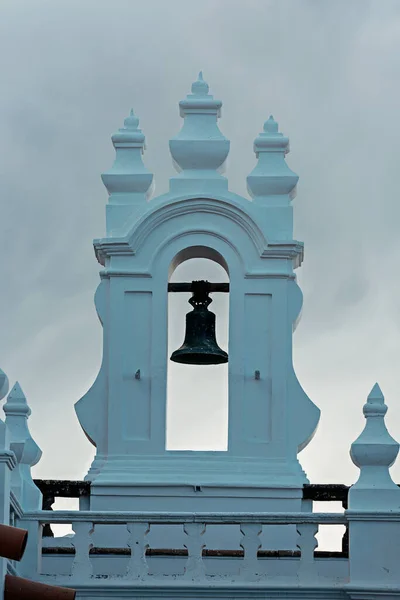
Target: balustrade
[
  {"x": 53, "y": 488},
  {"x": 248, "y": 564}
]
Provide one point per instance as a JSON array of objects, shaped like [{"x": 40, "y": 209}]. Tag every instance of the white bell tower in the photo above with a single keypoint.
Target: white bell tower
[{"x": 124, "y": 413}]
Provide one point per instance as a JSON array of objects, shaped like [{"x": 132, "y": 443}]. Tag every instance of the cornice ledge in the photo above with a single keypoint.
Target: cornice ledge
[
  {"x": 106, "y": 247},
  {"x": 293, "y": 250},
  {"x": 270, "y": 275},
  {"x": 110, "y": 272}
]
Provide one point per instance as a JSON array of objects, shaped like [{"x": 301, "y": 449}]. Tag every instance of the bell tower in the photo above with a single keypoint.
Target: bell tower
[{"x": 270, "y": 418}]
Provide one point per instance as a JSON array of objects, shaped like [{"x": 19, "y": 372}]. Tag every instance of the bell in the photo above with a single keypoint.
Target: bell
[{"x": 200, "y": 346}]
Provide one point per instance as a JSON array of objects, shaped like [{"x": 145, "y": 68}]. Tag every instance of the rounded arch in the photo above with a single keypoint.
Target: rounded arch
[
  {"x": 231, "y": 211},
  {"x": 190, "y": 252},
  {"x": 198, "y": 389},
  {"x": 182, "y": 246}
]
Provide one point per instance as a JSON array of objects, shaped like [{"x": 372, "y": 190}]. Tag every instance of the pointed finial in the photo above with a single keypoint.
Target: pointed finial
[
  {"x": 128, "y": 181},
  {"x": 130, "y": 133},
  {"x": 200, "y": 87},
  {"x": 271, "y": 126},
  {"x": 26, "y": 451},
  {"x": 376, "y": 395},
  {"x": 374, "y": 451},
  {"x": 16, "y": 402},
  {"x": 375, "y": 405},
  {"x": 132, "y": 121},
  {"x": 271, "y": 177}
]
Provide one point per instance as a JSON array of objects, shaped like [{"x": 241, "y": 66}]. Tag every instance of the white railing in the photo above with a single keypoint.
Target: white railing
[{"x": 246, "y": 565}]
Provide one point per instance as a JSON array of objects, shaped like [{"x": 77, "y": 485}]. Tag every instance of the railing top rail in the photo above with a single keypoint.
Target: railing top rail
[{"x": 166, "y": 518}]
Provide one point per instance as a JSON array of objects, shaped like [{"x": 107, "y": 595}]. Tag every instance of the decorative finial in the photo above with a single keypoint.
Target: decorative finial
[
  {"x": 132, "y": 121},
  {"x": 271, "y": 177},
  {"x": 16, "y": 403},
  {"x": 375, "y": 406},
  {"x": 374, "y": 451},
  {"x": 199, "y": 151},
  {"x": 271, "y": 126},
  {"x": 200, "y": 87},
  {"x": 26, "y": 451},
  {"x": 128, "y": 181}
]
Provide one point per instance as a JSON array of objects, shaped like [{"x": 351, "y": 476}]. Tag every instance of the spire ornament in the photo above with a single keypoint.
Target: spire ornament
[
  {"x": 26, "y": 450},
  {"x": 128, "y": 181},
  {"x": 200, "y": 87},
  {"x": 199, "y": 151},
  {"x": 374, "y": 451},
  {"x": 271, "y": 181}
]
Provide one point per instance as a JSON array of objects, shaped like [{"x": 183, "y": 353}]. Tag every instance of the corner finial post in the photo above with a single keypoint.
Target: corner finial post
[
  {"x": 26, "y": 450},
  {"x": 374, "y": 451},
  {"x": 374, "y": 501}
]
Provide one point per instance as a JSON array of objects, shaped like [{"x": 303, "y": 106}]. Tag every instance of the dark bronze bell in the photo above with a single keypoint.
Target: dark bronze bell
[{"x": 200, "y": 346}]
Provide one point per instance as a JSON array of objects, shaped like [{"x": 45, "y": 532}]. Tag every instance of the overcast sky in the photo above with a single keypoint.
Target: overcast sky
[{"x": 329, "y": 72}]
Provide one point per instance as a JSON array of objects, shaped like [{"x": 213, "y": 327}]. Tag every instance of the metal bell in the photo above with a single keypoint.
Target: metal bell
[{"x": 200, "y": 346}]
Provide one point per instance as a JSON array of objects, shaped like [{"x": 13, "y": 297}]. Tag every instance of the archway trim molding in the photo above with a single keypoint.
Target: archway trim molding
[{"x": 170, "y": 209}]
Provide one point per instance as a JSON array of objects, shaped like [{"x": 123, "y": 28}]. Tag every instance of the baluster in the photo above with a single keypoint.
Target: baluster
[
  {"x": 82, "y": 542},
  {"x": 345, "y": 542},
  {"x": 306, "y": 542},
  {"x": 137, "y": 542},
  {"x": 47, "y": 504},
  {"x": 194, "y": 568},
  {"x": 345, "y": 538},
  {"x": 251, "y": 543}
]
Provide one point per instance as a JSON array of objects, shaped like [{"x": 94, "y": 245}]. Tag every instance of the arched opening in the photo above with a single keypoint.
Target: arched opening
[{"x": 197, "y": 395}]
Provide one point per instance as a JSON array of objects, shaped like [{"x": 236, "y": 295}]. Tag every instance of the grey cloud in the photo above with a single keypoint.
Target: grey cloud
[{"x": 329, "y": 74}]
